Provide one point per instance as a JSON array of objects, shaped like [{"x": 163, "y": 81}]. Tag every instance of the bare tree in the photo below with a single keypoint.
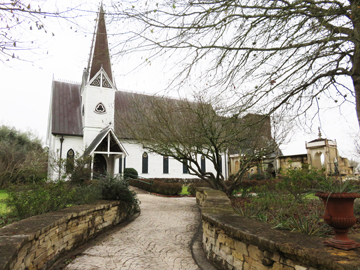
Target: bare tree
[
  {"x": 273, "y": 54},
  {"x": 20, "y": 22},
  {"x": 187, "y": 131}
]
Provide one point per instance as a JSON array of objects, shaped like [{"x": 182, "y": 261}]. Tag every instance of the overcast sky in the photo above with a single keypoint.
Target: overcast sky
[{"x": 25, "y": 88}]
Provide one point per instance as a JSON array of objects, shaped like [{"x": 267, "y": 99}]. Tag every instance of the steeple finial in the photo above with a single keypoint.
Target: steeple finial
[
  {"x": 319, "y": 133},
  {"x": 101, "y": 55}
]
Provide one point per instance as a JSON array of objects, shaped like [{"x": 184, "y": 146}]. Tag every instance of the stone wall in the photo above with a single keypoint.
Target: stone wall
[
  {"x": 36, "y": 242},
  {"x": 234, "y": 242}
]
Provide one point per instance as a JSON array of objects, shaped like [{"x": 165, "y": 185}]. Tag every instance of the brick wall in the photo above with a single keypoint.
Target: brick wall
[
  {"x": 234, "y": 242},
  {"x": 36, "y": 242}
]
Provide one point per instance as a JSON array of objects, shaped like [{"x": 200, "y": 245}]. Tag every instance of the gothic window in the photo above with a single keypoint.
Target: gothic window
[
  {"x": 96, "y": 81},
  {"x": 185, "y": 166},
  {"x": 100, "y": 108},
  {"x": 70, "y": 161},
  {"x": 121, "y": 168},
  {"x": 165, "y": 164},
  {"x": 145, "y": 163},
  {"x": 203, "y": 166},
  {"x": 105, "y": 82},
  {"x": 220, "y": 164}
]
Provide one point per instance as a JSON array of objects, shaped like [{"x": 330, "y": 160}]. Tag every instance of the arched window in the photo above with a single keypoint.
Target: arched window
[
  {"x": 145, "y": 163},
  {"x": 121, "y": 159},
  {"x": 70, "y": 161},
  {"x": 165, "y": 164},
  {"x": 203, "y": 164},
  {"x": 220, "y": 164},
  {"x": 185, "y": 166}
]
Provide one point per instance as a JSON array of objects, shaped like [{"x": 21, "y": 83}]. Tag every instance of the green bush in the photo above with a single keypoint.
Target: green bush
[
  {"x": 157, "y": 186},
  {"x": 80, "y": 170},
  {"x": 259, "y": 176},
  {"x": 85, "y": 194},
  {"x": 22, "y": 158},
  {"x": 192, "y": 187},
  {"x": 36, "y": 199},
  {"x": 115, "y": 188},
  {"x": 130, "y": 173},
  {"x": 299, "y": 182}
]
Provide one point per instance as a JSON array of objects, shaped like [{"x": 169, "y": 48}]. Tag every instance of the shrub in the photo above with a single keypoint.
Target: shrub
[
  {"x": 80, "y": 171},
  {"x": 36, "y": 199},
  {"x": 115, "y": 188},
  {"x": 22, "y": 158},
  {"x": 130, "y": 173},
  {"x": 298, "y": 182},
  {"x": 85, "y": 194},
  {"x": 259, "y": 176},
  {"x": 157, "y": 186},
  {"x": 192, "y": 187}
]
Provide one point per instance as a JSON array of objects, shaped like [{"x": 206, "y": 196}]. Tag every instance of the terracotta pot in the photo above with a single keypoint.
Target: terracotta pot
[{"x": 339, "y": 214}]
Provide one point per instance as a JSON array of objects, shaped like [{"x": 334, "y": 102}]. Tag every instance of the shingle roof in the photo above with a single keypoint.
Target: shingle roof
[
  {"x": 66, "y": 112},
  {"x": 96, "y": 141},
  {"x": 101, "y": 56}
]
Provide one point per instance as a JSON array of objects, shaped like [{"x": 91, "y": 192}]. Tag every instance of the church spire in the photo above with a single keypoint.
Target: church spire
[{"x": 101, "y": 55}]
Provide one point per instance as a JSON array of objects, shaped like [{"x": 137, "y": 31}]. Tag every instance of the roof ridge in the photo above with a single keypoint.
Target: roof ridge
[{"x": 66, "y": 81}]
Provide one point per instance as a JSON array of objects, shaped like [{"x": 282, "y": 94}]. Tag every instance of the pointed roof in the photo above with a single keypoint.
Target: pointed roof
[
  {"x": 65, "y": 109},
  {"x": 101, "y": 55},
  {"x": 105, "y": 142}
]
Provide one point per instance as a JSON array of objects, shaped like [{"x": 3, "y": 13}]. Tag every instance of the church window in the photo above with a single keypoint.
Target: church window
[
  {"x": 165, "y": 164},
  {"x": 105, "y": 82},
  {"x": 121, "y": 168},
  {"x": 220, "y": 164},
  {"x": 100, "y": 108},
  {"x": 185, "y": 166},
  {"x": 70, "y": 161},
  {"x": 145, "y": 163},
  {"x": 83, "y": 110},
  {"x": 203, "y": 166},
  {"x": 96, "y": 81}
]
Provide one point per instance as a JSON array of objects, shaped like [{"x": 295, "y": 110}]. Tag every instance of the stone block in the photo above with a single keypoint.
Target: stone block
[
  {"x": 225, "y": 249},
  {"x": 255, "y": 253},
  {"x": 40, "y": 251},
  {"x": 241, "y": 248},
  {"x": 29, "y": 259},
  {"x": 238, "y": 255},
  {"x": 222, "y": 238},
  {"x": 19, "y": 265},
  {"x": 299, "y": 267},
  {"x": 288, "y": 262},
  {"x": 272, "y": 255},
  {"x": 22, "y": 253},
  {"x": 280, "y": 266},
  {"x": 238, "y": 264},
  {"x": 251, "y": 264}
]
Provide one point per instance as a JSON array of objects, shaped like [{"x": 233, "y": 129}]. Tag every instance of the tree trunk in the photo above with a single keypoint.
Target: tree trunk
[{"x": 355, "y": 74}]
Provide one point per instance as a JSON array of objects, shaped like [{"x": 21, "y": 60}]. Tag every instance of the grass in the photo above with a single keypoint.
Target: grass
[
  {"x": 184, "y": 191},
  {"x": 3, "y": 208}
]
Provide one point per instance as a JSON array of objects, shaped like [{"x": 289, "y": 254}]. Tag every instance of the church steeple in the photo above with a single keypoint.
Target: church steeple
[{"x": 101, "y": 55}]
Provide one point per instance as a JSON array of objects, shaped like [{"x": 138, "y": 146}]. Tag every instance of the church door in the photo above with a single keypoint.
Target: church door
[{"x": 99, "y": 165}]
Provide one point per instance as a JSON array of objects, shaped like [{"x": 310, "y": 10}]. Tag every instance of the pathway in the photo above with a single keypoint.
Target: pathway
[{"x": 160, "y": 238}]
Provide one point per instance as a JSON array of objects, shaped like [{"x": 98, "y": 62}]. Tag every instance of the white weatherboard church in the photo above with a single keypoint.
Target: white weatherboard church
[{"x": 82, "y": 121}]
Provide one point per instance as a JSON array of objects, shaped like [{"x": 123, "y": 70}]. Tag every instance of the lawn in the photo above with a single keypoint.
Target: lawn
[
  {"x": 3, "y": 195},
  {"x": 184, "y": 191}
]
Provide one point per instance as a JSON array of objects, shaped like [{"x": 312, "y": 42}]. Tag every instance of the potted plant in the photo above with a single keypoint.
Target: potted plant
[{"x": 338, "y": 198}]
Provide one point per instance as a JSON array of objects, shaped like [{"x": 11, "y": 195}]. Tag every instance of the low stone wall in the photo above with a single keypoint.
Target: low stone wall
[
  {"x": 36, "y": 242},
  {"x": 234, "y": 242}
]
